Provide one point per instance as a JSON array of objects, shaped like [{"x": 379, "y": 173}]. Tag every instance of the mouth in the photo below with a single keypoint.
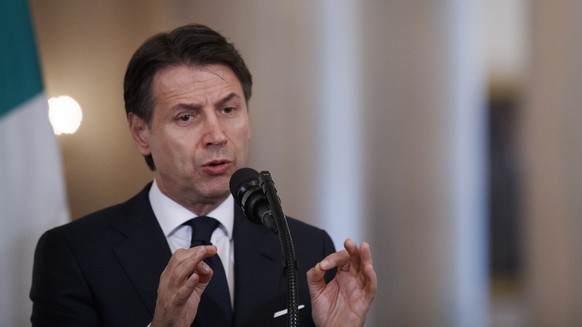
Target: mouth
[{"x": 217, "y": 167}]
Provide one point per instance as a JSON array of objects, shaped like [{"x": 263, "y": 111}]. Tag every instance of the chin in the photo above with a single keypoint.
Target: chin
[{"x": 219, "y": 190}]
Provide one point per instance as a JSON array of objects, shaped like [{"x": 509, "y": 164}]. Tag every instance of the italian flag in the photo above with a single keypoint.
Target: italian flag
[{"x": 32, "y": 188}]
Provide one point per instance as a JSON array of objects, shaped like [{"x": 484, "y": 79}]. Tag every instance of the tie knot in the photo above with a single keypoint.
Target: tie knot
[{"x": 202, "y": 228}]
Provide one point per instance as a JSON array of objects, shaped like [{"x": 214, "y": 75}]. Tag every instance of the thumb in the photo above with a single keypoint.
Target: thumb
[{"x": 315, "y": 279}]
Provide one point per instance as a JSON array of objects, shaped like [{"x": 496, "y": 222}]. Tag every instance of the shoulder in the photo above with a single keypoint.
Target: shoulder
[
  {"x": 310, "y": 237},
  {"x": 305, "y": 230},
  {"x": 94, "y": 225}
]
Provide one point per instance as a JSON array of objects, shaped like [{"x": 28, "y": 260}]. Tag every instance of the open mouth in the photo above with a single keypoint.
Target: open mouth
[
  {"x": 217, "y": 166},
  {"x": 216, "y": 163}
]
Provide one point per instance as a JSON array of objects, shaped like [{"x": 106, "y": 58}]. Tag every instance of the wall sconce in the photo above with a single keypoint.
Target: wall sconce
[{"x": 65, "y": 114}]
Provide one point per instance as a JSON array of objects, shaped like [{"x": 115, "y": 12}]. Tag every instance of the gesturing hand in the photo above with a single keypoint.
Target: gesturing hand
[
  {"x": 181, "y": 285},
  {"x": 345, "y": 300}
]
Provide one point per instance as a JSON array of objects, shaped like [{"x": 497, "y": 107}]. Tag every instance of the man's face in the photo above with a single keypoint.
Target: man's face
[{"x": 199, "y": 134}]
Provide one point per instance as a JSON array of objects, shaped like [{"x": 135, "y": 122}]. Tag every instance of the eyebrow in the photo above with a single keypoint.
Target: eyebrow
[
  {"x": 220, "y": 102},
  {"x": 227, "y": 98}
]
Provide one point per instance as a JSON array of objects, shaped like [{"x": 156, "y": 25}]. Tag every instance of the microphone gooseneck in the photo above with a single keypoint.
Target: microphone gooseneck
[{"x": 256, "y": 194}]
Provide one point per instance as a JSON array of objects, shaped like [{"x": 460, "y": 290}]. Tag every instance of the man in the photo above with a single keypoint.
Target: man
[{"x": 186, "y": 96}]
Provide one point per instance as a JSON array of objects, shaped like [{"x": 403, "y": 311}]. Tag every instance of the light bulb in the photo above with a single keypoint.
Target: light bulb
[{"x": 65, "y": 114}]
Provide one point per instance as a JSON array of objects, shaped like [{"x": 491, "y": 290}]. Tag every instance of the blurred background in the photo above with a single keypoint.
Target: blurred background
[{"x": 445, "y": 133}]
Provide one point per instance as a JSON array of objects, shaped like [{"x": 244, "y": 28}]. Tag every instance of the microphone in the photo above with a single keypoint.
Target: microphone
[
  {"x": 256, "y": 194},
  {"x": 248, "y": 194}
]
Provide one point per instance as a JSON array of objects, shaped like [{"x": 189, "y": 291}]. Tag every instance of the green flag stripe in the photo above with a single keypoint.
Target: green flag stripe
[{"x": 20, "y": 77}]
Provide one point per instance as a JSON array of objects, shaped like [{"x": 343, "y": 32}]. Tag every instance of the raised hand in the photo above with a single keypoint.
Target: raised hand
[
  {"x": 181, "y": 285},
  {"x": 346, "y": 299}
]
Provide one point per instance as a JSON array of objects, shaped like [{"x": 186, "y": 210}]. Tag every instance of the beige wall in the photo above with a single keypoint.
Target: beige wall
[
  {"x": 551, "y": 144},
  {"x": 84, "y": 49}
]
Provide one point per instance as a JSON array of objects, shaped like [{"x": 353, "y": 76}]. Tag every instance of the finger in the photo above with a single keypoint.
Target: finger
[
  {"x": 371, "y": 281},
  {"x": 192, "y": 257},
  {"x": 315, "y": 279},
  {"x": 199, "y": 253},
  {"x": 366, "y": 254},
  {"x": 197, "y": 281},
  {"x": 183, "y": 264},
  {"x": 316, "y": 273},
  {"x": 204, "y": 272},
  {"x": 354, "y": 260},
  {"x": 370, "y": 273},
  {"x": 169, "y": 277},
  {"x": 334, "y": 260},
  {"x": 185, "y": 292}
]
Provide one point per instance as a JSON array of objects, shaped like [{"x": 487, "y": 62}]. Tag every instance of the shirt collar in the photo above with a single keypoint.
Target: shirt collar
[{"x": 172, "y": 215}]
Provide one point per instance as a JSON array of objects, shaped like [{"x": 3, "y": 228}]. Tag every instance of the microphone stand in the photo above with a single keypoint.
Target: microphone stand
[{"x": 290, "y": 264}]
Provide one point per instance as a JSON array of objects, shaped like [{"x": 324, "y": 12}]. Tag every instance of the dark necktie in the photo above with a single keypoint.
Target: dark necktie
[{"x": 215, "y": 308}]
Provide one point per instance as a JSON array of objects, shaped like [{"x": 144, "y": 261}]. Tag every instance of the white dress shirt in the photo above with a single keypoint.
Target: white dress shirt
[{"x": 172, "y": 216}]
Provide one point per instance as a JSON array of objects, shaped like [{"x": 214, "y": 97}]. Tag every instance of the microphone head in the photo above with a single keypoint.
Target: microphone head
[
  {"x": 239, "y": 179},
  {"x": 244, "y": 187}
]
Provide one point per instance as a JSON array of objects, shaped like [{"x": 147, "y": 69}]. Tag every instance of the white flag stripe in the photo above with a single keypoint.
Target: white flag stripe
[{"x": 32, "y": 200}]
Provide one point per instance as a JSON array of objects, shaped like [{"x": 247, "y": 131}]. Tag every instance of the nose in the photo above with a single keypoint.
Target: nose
[{"x": 214, "y": 132}]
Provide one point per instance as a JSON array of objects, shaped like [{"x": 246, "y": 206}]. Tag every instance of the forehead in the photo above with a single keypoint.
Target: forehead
[{"x": 176, "y": 81}]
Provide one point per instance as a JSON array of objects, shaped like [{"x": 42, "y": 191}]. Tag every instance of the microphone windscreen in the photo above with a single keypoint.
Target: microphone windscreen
[{"x": 240, "y": 178}]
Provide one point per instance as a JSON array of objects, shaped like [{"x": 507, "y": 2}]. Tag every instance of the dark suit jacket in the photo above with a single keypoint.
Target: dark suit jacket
[{"x": 104, "y": 269}]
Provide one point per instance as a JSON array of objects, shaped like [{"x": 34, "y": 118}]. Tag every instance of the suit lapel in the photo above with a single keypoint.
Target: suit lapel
[
  {"x": 258, "y": 261},
  {"x": 258, "y": 272},
  {"x": 145, "y": 253}
]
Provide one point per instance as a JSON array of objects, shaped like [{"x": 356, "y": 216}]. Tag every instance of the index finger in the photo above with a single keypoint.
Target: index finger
[
  {"x": 184, "y": 261},
  {"x": 353, "y": 257}
]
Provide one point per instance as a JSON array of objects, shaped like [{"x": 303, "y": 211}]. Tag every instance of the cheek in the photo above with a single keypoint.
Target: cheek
[
  {"x": 243, "y": 145},
  {"x": 242, "y": 129},
  {"x": 169, "y": 150},
  {"x": 242, "y": 136}
]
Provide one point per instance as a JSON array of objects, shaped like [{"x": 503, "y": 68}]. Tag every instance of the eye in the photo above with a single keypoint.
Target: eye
[
  {"x": 228, "y": 110},
  {"x": 185, "y": 117}
]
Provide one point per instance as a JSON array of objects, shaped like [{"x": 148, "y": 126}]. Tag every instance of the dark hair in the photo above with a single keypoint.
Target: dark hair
[{"x": 189, "y": 45}]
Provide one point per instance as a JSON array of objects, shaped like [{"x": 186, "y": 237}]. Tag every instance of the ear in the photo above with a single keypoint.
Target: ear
[{"x": 140, "y": 132}]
